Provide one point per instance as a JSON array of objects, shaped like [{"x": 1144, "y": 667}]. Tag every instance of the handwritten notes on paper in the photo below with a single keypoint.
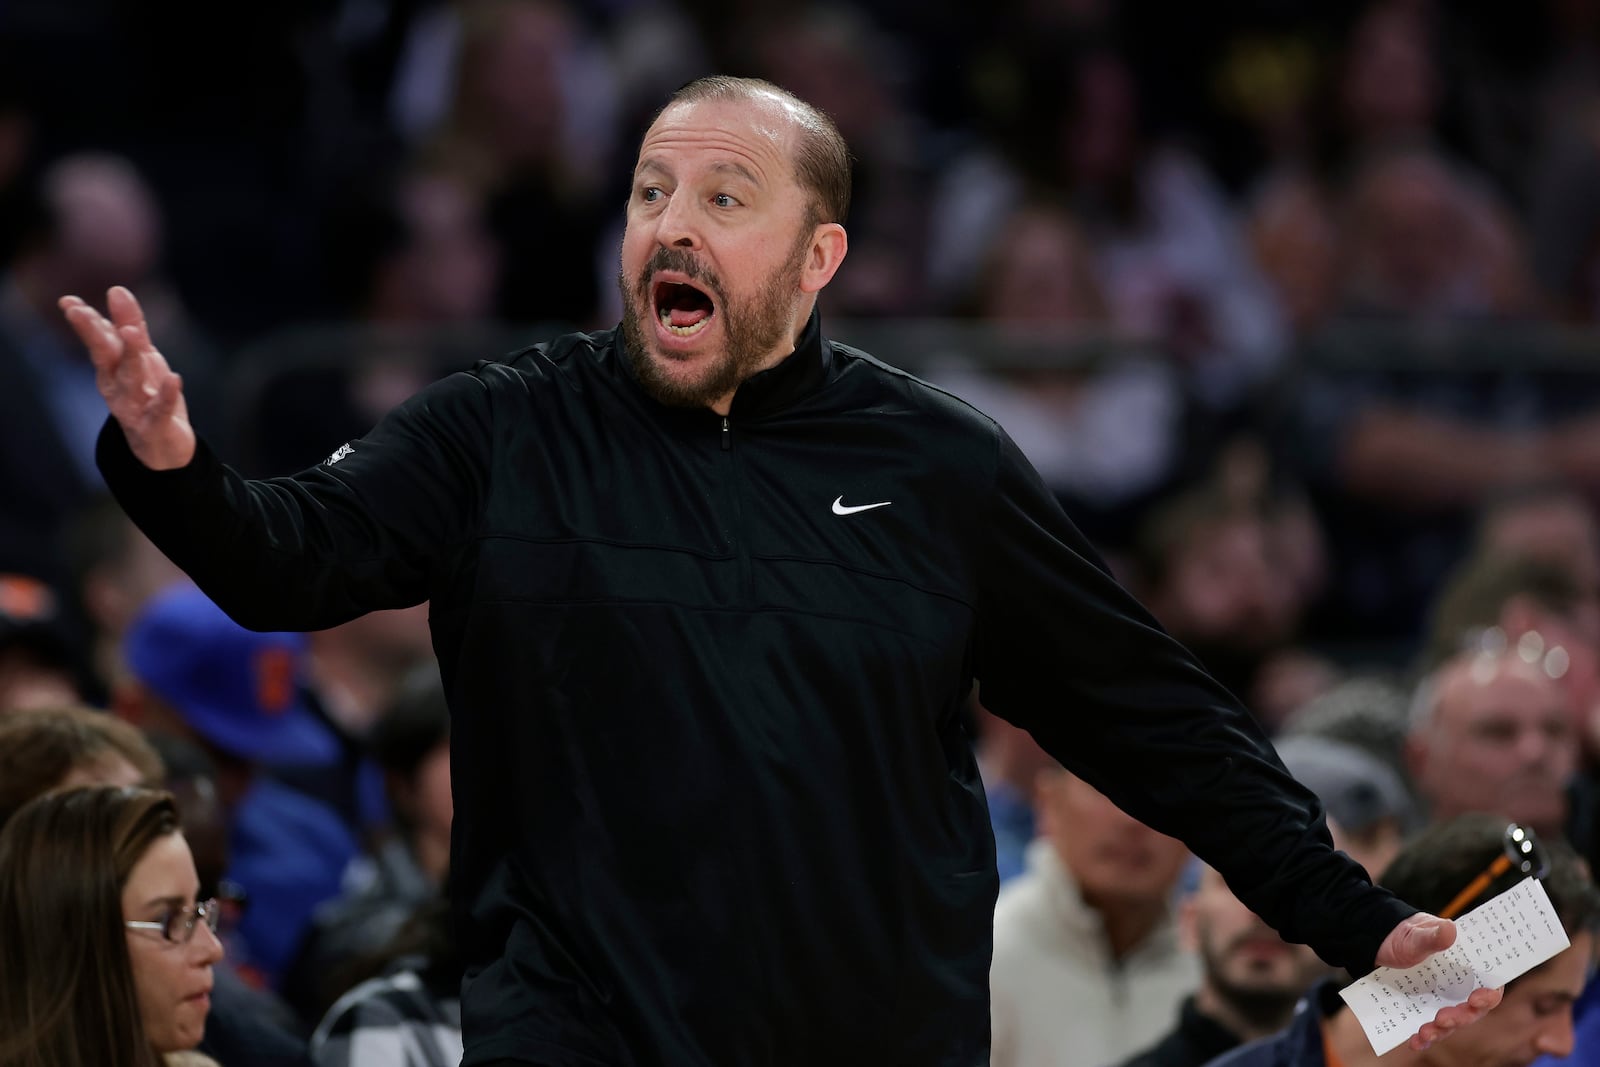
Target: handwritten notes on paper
[{"x": 1497, "y": 941}]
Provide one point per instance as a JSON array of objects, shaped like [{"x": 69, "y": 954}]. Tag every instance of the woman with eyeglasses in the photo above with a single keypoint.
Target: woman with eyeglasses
[{"x": 105, "y": 954}]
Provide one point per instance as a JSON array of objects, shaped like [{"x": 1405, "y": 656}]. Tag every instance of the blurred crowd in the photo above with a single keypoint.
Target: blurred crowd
[{"x": 1292, "y": 302}]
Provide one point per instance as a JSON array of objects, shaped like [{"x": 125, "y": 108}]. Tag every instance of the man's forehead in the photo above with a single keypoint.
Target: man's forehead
[
  {"x": 1567, "y": 972},
  {"x": 1503, "y": 680},
  {"x": 763, "y": 124}
]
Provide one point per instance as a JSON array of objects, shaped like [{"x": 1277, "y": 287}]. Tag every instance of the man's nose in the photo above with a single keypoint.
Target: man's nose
[
  {"x": 1557, "y": 1039},
  {"x": 678, "y": 226},
  {"x": 1539, "y": 748}
]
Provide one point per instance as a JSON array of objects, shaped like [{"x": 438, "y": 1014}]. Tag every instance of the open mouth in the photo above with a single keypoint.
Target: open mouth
[{"x": 682, "y": 309}]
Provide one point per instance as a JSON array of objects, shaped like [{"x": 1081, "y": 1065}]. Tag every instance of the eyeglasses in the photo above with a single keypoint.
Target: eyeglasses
[
  {"x": 1522, "y": 852},
  {"x": 178, "y": 925},
  {"x": 1531, "y": 648}
]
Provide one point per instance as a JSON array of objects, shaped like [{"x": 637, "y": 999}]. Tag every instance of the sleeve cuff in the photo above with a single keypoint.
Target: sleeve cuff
[{"x": 122, "y": 469}]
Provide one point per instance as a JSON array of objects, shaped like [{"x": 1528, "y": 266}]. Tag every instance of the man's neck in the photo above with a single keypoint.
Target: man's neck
[
  {"x": 1127, "y": 925},
  {"x": 724, "y": 404},
  {"x": 1211, "y": 1003}
]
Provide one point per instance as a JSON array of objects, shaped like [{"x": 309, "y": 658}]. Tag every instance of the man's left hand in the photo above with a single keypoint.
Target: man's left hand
[{"x": 1413, "y": 941}]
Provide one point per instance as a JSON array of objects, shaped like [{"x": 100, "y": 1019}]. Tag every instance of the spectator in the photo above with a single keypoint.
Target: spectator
[
  {"x": 1404, "y": 440},
  {"x": 530, "y": 119},
  {"x": 54, "y": 749},
  {"x": 1294, "y": 240},
  {"x": 1421, "y": 242},
  {"x": 1490, "y": 732},
  {"x": 357, "y": 669},
  {"x": 97, "y": 224},
  {"x": 1534, "y": 606},
  {"x": 385, "y": 887},
  {"x": 107, "y": 951},
  {"x": 412, "y": 248},
  {"x": 1101, "y": 418},
  {"x": 1010, "y": 762},
  {"x": 1539, "y": 610},
  {"x": 832, "y": 56},
  {"x": 1087, "y": 964},
  {"x": 1536, "y": 1015},
  {"x": 1367, "y": 801},
  {"x": 115, "y": 571},
  {"x": 1220, "y": 575},
  {"x": 410, "y": 1012},
  {"x": 49, "y": 749},
  {"x": 39, "y": 658},
  {"x": 411, "y": 260},
  {"x": 1367, "y": 711},
  {"x": 1167, "y": 249},
  {"x": 1547, "y": 521},
  {"x": 1388, "y": 89},
  {"x": 1250, "y": 984},
  {"x": 198, "y": 675}
]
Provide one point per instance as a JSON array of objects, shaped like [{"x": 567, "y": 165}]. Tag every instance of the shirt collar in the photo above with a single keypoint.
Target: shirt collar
[
  {"x": 1082, "y": 921},
  {"x": 780, "y": 386},
  {"x": 800, "y": 373}
]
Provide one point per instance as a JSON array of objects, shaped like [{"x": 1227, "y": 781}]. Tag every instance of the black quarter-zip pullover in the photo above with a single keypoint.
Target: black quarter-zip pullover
[{"x": 714, "y": 804}]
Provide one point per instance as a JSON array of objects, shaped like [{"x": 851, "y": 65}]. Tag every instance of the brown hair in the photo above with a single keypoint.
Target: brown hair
[
  {"x": 68, "y": 997},
  {"x": 1445, "y": 858},
  {"x": 1478, "y": 591},
  {"x": 821, "y": 157},
  {"x": 39, "y": 748}
]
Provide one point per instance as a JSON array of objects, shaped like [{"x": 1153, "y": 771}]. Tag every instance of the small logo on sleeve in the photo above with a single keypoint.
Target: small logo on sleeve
[{"x": 339, "y": 453}]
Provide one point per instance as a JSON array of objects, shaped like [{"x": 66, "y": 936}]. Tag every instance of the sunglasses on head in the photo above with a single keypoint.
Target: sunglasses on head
[{"x": 1522, "y": 853}]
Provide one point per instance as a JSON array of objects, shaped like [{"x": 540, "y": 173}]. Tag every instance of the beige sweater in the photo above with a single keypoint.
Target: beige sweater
[{"x": 1058, "y": 999}]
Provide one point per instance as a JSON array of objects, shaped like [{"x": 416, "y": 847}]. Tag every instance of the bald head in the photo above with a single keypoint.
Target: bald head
[
  {"x": 1491, "y": 733},
  {"x": 820, "y": 156}
]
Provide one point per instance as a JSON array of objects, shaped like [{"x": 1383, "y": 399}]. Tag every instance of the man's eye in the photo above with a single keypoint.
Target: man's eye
[
  {"x": 650, "y": 194},
  {"x": 723, "y": 200}
]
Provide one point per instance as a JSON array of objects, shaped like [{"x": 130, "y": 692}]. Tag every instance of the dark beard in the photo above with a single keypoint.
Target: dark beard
[
  {"x": 1263, "y": 1009},
  {"x": 752, "y": 330}
]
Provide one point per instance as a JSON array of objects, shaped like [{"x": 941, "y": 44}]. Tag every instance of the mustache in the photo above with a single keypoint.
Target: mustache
[
  {"x": 683, "y": 262},
  {"x": 1260, "y": 933}
]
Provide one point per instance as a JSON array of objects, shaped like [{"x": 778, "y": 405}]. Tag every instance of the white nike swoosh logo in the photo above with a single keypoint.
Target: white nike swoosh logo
[{"x": 841, "y": 508}]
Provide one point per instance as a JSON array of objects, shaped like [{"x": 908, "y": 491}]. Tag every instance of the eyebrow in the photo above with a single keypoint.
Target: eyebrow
[
  {"x": 171, "y": 902},
  {"x": 722, "y": 166},
  {"x": 649, "y": 165},
  {"x": 739, "y": 169}
]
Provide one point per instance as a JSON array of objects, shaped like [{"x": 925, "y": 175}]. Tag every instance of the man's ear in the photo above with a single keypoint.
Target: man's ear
[
  {"x": 1189, "y": 922},
  {"x": 1415, "y": 753},
  {"x": 829, "y": 243}
]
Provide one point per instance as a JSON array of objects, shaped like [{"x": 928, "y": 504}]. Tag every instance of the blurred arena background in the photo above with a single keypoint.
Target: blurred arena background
[{"x": 1292, "y": 302}]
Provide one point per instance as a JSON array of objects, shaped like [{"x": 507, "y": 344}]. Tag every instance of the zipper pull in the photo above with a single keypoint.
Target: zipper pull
[{"x": 727, "y": 434}]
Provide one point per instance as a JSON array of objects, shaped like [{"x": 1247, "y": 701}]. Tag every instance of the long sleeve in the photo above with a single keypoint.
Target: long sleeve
[
  {"x": 362, "y": 531},
  {"x": 1065, "y": 653}
]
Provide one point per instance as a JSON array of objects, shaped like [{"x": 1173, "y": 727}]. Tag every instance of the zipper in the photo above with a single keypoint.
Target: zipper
[{"x": 736, "y": 495}]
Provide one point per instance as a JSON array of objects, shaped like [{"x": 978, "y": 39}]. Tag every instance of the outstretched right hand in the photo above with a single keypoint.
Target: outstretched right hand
[{"x": 144, "y": 395}]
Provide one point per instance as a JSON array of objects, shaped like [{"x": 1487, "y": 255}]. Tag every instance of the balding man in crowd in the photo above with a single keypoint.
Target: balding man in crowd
[{"x": 1492, "y": 732}]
